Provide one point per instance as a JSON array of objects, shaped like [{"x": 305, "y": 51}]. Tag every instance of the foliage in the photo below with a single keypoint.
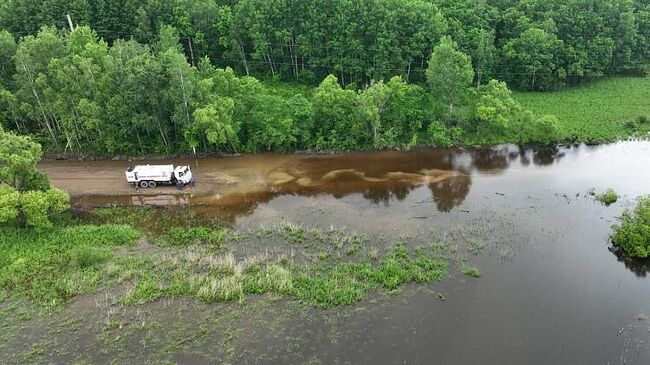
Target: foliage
[
  {"x": 341, "y": 120},
  {"x": 18, "y": 158},
  {"x": 32, "y": 208},
  {"x": 496, "y": 111},
  {"x": 51, "y": 266},
  {"x": 536, "y": 44},
  {"x": 608, "y": 197},
  {"x": 596, "y": 112},
  {"x": 160, "y": 92},
  {"x": 449, "y": 73},
  {"x": 535, "y": 52},
  {"x": 9, "y": 204},
  {"x": 632, "y": 235}
]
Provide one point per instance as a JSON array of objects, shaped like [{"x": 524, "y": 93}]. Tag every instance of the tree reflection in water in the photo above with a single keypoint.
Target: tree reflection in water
[
  {"x": 640, "y": 267},
  {"x": 379, "y": 177}
]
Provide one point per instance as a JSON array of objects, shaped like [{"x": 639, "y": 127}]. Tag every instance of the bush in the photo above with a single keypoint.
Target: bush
[
  {"x": 543, "y": 130},
  {"x": 633, "y": 234},
  {"x": 608, "y": 197},
  {"x": 9, "y": 200},
  {"x": 438, "y": 135}
]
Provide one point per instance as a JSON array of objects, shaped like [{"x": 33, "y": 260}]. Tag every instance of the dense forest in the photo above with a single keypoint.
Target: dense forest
[{"x": 163, "y": 76}]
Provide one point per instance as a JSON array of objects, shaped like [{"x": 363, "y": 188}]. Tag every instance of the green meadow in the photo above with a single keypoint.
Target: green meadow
[{"x": 599, "y": 111}]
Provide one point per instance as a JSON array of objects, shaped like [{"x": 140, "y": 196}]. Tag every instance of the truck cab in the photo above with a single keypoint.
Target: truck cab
[{"x": 183, "y": 175}]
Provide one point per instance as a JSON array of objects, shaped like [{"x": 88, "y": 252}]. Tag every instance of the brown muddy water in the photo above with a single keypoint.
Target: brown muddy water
[{"x": 551, "y": 290}]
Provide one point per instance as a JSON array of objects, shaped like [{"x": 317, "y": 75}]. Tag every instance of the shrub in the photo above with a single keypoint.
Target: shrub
[
  {"x": 543, "y": 130},
  {"x": 608, "y": 197},
  {"x": 633, "y": 234},
  {"x": 438, "y": 136},
  {"x": 9, "y": 199},
  {"x": 32, "y": 208}
]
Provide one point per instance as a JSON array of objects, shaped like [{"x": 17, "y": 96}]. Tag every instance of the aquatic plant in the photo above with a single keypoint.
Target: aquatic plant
[
  {"x": 471, "y": 271},
  {"x": 632, "y": 235},
  {"x": 608, "y": 197},
  {"x": 193, "y": 235}
]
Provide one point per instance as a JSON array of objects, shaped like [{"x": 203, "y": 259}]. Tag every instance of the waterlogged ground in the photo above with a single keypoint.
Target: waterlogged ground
[{"x": 550, "y": 290}]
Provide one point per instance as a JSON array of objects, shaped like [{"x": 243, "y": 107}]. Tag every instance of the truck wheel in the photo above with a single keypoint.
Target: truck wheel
[
  {"x": 144, "y": 184},
  {"x": 152, "y": 184}
]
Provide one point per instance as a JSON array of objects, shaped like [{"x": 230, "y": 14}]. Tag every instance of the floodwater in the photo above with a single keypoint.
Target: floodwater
[{"x": 551, "y": 292}]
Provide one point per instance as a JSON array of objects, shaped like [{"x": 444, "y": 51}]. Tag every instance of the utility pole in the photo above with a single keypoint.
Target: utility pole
[{"x": 70, "y": 22}]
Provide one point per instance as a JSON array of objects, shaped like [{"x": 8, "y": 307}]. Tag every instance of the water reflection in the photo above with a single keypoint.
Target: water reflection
[
  {"x": 379, "y": 177},
  {"x": 640, "y": 267},
  {"x": 450, "y": 193}
]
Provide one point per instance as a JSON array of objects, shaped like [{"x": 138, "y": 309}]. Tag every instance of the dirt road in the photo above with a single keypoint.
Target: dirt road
[{"x": 229, "y": 180}]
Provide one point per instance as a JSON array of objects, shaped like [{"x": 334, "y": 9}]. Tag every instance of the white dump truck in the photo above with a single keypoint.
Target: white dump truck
[{"x": 149, "y": 176}]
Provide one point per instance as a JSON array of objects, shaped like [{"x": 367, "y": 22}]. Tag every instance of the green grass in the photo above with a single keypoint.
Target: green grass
[
  {"x": 600, "y": 111},
  {"x": 194, "y": 235},
  {"x": 51, "y": 266}
]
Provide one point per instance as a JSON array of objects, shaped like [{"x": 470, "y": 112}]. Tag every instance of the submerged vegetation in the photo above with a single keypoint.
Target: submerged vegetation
[
  {"x": 632, "y": 235},
  {"x": 610, "y": 196},
  {"x": 321, "y": 268}
]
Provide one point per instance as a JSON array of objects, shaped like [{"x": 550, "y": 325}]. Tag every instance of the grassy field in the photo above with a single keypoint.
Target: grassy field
[{"x": 601, "y": 111}]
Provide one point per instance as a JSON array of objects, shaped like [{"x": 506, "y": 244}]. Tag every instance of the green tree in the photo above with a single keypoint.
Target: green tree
[
  {"x": 7, "y": 52},
  {"x": 213, "y": 124},
  {"x": 485, "y": 54},
  {"x": 534, "y": 54},
  {"x": 496, "y": 111},
  {"x": 543, "y": 130},
  {"x": 18, "y": 158},
  {"x": 449, "y": 73},
  {"x": 340, "y": 120}
]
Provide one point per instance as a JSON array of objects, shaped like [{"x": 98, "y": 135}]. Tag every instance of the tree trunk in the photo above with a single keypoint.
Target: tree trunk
[
  {"x": 243, "y": 57},
  {"x": 189, "y": 43},
  {"x": 40, "y": 104}
]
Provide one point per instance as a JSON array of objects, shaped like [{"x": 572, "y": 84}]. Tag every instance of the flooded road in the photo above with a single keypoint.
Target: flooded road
[{"x": 551, "y": 291}]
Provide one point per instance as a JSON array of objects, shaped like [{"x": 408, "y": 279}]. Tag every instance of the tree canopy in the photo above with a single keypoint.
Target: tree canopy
[{"x": 169, "y": 76}]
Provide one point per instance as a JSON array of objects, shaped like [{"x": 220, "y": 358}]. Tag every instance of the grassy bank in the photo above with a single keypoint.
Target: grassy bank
[
  {"x": 157, "y": 256},
  {"x": 600, "y": 111}
]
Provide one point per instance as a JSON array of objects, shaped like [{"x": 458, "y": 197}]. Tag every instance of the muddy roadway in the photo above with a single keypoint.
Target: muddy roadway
[{"x": 551, "y": 292}]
